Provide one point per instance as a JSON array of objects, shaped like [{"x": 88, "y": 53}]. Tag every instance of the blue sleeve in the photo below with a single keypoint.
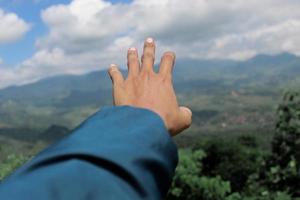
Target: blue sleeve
[{"x": 118, "y": 153}]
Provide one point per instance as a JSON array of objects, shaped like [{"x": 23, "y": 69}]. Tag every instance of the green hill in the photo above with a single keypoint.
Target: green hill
[{"x": 225, "y": 95}]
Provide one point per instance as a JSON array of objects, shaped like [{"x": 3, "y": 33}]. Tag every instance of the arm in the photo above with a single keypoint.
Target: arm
[
  {"x": 118, "y": 153},
  {"x": 124, "y": 152}
]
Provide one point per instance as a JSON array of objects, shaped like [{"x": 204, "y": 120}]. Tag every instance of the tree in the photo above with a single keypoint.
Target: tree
[
  {"x": 190, "y": 184},
  {"x": 283, "y": 167},
  {"x": 281, "y": 171}
]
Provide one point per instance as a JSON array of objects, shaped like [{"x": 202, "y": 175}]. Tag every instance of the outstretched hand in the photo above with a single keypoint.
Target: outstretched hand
[{"x": 144, "y": 88}]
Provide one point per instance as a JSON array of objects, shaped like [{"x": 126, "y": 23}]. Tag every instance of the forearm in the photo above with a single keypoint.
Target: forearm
[{"x": 121, "y": 151}]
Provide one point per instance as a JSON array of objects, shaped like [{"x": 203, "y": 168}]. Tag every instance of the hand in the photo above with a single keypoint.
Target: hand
[{"x": 145, "y": 88}]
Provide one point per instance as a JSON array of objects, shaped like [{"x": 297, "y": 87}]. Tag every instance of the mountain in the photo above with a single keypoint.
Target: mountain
[
  {"x": 52, "y": 90},
  {"x": 216, "y": 85},
  {"x": 54, "y": 133}
]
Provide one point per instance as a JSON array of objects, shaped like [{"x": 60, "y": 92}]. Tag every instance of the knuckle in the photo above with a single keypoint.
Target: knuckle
[
  {"x": 145, "y": 75},
  {"x": 132, "y": 59},
  {"x": 148, "y": 55},
  {"x": 132, "y": 79},
  {"x": 168, "y": 78},
  {"x": 165, "y": 78}
]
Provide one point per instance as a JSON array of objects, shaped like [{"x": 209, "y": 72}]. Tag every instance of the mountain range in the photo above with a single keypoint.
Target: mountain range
[{"x": 207, "y": 86}]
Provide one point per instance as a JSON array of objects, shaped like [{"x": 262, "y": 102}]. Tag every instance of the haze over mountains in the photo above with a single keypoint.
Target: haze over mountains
[{"x": 208, "y": 86}]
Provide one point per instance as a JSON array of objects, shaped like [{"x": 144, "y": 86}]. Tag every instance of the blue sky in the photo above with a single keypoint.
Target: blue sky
[
  {"x": 42, "y": 38},
  {"x": 29, "y": 10}
]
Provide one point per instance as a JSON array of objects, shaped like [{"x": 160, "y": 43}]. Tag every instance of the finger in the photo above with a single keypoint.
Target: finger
[
  {"x": 133, "y": 62},
  {"x": 148, "y": 55},
  {"x": 167, "y": 63},
  {"x": 115, "y": 74},
  {"x": 185, "y": 118}
]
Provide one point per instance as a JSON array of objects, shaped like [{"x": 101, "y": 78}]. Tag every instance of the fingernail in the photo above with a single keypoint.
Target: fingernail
[
  {"x": 149, "y": 40},
  {"x": 113, "y": 67},
  {"x": 132, "y": 49},
  {"x": 188, "y": 110}
]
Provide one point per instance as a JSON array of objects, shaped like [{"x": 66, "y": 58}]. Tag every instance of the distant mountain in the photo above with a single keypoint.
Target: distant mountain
[
  {"x": 51, "y": 134},
  {"x": 269, "y": 66},
  {"x": 53, "y": 90},
  {"x": 54, "y": 133},
  {"x": 66, "y": 100}
]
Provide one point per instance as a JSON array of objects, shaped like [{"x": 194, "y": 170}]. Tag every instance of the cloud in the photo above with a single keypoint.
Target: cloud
[
  {"x": 191, "y": 27},
  {"x": 12, "y": 27},
  {"x": 86, "y": 35},
  {"x": 280, "y": 37}
]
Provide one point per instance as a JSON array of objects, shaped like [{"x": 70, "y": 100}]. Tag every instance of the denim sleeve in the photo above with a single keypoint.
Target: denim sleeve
[{"x": 118, "y": 153}]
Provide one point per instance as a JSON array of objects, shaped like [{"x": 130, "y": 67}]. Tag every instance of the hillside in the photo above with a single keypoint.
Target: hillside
[{"x": 225, "y": 95}]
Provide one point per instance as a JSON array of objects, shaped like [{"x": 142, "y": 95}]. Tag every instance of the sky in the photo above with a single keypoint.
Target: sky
[{"x": 42, "y": 38}]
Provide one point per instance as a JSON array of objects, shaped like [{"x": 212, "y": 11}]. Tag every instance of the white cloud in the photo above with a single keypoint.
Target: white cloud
[
  {"x": 12, "y": 27},
  {"x": 280, "y": 37},
  {"x": 192, "y": 27},
  {"x": 87, "y": 35}
]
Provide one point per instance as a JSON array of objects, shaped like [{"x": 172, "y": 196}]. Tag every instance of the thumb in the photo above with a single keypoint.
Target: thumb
[{"x": 185, "y": 118}]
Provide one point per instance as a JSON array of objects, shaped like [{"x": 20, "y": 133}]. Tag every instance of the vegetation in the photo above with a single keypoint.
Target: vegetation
[
  {"x": 236, "y": 149},
  {"x": 229, "y": 169},
  {"x": 239, "y": 170},
  {"x": 11, "y": 163}
]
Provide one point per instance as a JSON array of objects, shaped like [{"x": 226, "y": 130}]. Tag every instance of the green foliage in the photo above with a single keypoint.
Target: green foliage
[
  {"x": 239, "y": 170},
  {"x": 283, "y": 167},
  {"x": 223, "y": 157},
  {"x": 11, "y": 163},
  {"x": 190, "y": 184},
  {"x": 11, "y": 159},
  {"x": 232, "y": 167}
]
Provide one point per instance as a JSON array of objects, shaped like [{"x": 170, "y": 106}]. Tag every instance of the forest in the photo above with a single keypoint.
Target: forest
[{"x": 239, "y": 170}]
